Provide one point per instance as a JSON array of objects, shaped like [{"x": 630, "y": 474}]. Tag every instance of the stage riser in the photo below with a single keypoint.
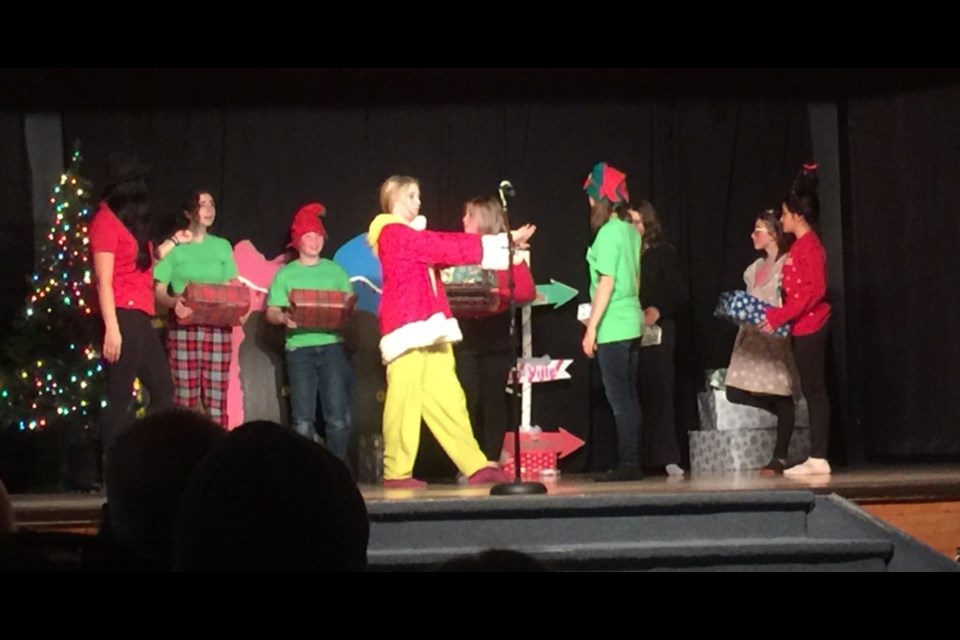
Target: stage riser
[
  {"x": 798, "y": 554},
  {"x": 508, "y": 531},
  {"x": 545, "y": 520},
  {"x": 864, "y": 566},
  {"x": 722, "y": 531}
]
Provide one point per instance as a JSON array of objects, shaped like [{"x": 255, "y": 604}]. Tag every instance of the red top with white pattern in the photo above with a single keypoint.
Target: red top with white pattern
[{"x": 804, "y": 288}]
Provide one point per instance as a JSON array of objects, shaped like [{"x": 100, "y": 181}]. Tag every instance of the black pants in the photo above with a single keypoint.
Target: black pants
[
  {"x": 141, "y": 356},
  {"x": 656, "y": 381},
  {"x": 781, "y": 406},
  {"x": 484, "y": 378},
  {"x": 619, "y": 362},
  {"x": 810, "y": 353}
]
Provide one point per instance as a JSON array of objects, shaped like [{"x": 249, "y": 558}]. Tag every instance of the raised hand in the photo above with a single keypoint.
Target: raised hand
[
  {"x": 184, "y": 235},
  {"x": 522, "y": 235}
]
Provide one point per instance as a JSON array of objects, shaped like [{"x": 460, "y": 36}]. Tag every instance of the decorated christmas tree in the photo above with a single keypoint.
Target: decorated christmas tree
[{"x": 51, "y": 373}]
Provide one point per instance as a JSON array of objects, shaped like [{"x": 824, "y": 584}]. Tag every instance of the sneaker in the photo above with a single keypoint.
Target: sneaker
[
  {"x": 404, "y": 483},
  {"x": 774, "y": 468},
  {"x": 488, "y": 475},
  {"x": 674, "y": 470},
  {"x": 621, "y": 475},
  {"x": 812, "y": 467}
]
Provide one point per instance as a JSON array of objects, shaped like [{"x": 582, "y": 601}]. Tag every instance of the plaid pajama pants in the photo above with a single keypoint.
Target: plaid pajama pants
[{"x": 200, "y": 364}]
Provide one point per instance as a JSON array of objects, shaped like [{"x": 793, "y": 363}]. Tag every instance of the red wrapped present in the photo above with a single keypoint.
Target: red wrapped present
[
  {"x": 220, "y": 305},
  {"x": 532, "y": 464},
  {"x": 470, "y": 290},
  {"x": 320, "y": 309}
]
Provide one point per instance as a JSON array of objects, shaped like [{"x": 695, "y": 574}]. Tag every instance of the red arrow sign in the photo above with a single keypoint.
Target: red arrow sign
[{"x": 562, "y": 442}]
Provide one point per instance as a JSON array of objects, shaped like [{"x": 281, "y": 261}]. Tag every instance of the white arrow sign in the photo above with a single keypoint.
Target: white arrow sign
[{"x": 542, "y": 370}]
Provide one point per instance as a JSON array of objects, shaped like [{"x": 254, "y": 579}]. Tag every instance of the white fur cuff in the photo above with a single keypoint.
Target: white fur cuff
[{"x": 495, "y": 253}]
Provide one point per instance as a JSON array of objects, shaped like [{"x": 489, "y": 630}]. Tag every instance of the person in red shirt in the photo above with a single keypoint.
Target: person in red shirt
[
  {"x": 805, "y": 304},
  {"x": 417, "y": 333},
  {"x": 487, "y": 353},
  {"x": 124, "y": 275}
]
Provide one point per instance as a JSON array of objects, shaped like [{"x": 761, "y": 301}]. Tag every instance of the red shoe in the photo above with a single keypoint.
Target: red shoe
[
  {"x": 404, "y": 483},
  {"x": 488, "y": 475}
]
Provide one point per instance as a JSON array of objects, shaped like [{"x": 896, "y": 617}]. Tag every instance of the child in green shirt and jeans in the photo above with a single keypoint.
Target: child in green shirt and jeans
[{"x": 317, "y": 364}]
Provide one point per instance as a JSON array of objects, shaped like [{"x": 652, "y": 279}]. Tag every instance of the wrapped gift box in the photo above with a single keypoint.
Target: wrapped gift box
[
  {"x": 220, "y": 305},
  {"x": 470, "y": 289},
  {"x": 716, "y": 378},
  {"x": 532, "y": 464},
  {"x": 719, "y": 414},
  {"x": 320, "y": 309},
  {"x": 742, "y": 449},
  {"x": 739, "y": 307}
]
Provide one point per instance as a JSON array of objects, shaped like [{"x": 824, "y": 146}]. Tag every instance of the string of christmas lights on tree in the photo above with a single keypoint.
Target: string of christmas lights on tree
[{"x": 53, "y": 372}]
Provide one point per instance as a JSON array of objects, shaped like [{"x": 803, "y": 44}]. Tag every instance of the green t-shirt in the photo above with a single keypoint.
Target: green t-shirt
[
  {"x": 326, "y": 275},
  {"x": 616, "y": 253},
  {"x": 207, "y": 262}
]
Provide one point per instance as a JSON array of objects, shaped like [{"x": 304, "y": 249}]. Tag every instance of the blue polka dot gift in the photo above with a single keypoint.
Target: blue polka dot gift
[{"x": 741, "y": 308}]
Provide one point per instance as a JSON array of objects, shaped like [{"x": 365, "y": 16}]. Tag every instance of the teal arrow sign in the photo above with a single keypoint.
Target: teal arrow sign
[{"x": 555, "y": 293}]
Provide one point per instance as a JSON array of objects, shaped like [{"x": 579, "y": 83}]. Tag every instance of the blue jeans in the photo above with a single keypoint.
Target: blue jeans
[
  {"x": 322, "y": 372},
  {"x": 618, "y": 368}
]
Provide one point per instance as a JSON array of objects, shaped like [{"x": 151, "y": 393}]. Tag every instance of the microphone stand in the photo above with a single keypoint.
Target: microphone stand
[{"x": 518, "y": 486}]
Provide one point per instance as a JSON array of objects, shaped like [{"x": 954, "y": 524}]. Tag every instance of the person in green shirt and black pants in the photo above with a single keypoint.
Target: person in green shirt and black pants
[
  {"x": 615, "y": 326},
  {"x": 317, "y": 364}
]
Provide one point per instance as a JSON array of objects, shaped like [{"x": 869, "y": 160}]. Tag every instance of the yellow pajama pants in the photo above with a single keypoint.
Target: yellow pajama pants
[{"x": 423, "y": 383}]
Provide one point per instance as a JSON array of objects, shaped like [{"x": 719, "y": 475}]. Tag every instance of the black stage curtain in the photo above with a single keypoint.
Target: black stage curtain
[
  {"x": 16, "y": 219},
  {"x": 901, "y": 266}
]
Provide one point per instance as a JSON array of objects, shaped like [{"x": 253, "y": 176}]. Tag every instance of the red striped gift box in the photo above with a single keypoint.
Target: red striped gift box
[
  {"x": 220, "y": 305},
  {"x": 319, "y": 309}
]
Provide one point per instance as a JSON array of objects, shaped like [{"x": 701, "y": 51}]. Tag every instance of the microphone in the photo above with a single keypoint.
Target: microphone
[{"x": 506, "y": 190}]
